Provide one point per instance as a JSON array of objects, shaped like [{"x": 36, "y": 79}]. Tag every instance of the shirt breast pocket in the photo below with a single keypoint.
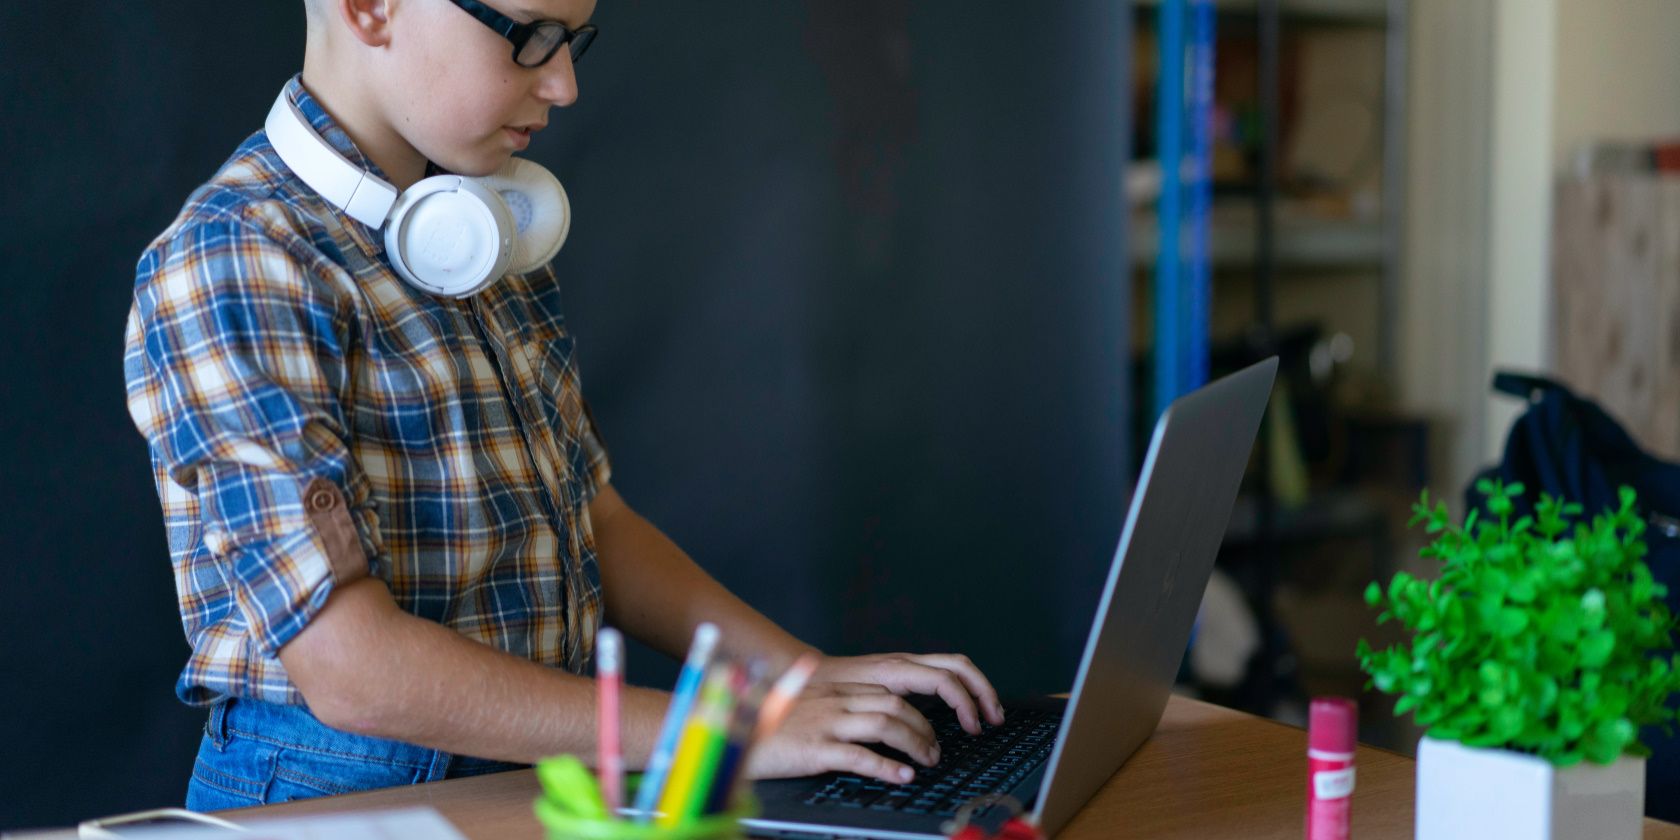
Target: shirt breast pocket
[{"x": 559, "y": 397}]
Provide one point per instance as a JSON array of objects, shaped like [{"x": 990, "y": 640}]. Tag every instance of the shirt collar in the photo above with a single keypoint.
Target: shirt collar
[{"x": 336, "y": 137}]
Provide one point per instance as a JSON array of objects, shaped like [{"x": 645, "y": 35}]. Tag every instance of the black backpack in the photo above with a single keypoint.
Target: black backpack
[{"x": 1568, "y": 447}]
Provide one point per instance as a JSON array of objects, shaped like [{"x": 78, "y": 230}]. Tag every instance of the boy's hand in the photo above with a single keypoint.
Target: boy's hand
[
  {"x": 950, "y": 675},
  {"x": 854, "y": 700},
  {"x": 826, "y": 728}
]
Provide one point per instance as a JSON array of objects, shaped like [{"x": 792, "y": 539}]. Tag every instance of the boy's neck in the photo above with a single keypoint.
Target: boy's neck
[{"x": 362, "y": 120}]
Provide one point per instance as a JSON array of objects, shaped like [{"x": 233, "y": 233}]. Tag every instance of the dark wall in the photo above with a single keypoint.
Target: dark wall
[{"x": 848, "y": 284}]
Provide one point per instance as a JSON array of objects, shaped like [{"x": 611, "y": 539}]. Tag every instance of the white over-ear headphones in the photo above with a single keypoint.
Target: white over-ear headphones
[{"x": 448, "y": 234}]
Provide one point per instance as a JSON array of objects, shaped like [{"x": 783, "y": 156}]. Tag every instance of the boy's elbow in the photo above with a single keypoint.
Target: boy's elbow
[
  {"x": 336, "y": 699},
  {"x": 347, "y": 716},
  {"x": 330, "y": 706},
  {"x": 331, "y": 662}
]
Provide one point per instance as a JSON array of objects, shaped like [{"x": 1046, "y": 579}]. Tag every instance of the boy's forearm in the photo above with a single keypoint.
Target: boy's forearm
[
  {"x": 657, "y": 594},
  {"x": 366, "y": 666}
]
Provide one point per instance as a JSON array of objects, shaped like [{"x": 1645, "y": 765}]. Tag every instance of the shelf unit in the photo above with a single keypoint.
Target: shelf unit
[
  {"x": 1294, "y": 243},
  {"x": 1369, "y": 12},
  {"x": 1301, "y": 244},
  {"x": 1257, "y": 232}
]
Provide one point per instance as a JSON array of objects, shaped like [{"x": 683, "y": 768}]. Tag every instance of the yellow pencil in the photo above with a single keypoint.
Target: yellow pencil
[
  {"x": 691, "y": 750},
  {"x": 716, "y": 721}
]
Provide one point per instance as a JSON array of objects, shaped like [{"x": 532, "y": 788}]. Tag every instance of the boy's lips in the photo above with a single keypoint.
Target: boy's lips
[{"x": 522, "y": 134}]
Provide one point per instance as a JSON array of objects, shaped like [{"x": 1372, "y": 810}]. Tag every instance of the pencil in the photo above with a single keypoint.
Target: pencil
[
  {"x": 779, "y": 701},
  {"x": 692, "y": 774},
  {"x": 776, "y": 706},
  {"x": 609, "y": 675},
  {"x": 750, "y": 686},
  {"x": 682, "y": 699}
]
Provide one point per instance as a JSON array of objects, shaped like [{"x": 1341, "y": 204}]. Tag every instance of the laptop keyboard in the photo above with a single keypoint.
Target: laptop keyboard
[{"x": 969, "y": 766}]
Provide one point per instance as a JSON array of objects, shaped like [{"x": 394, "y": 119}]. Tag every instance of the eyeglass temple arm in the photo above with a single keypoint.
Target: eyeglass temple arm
[{"x": 504, "y": 25}]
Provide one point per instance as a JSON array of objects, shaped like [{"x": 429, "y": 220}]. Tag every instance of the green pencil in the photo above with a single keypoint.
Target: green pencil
[{"x": 716, "y": 702}]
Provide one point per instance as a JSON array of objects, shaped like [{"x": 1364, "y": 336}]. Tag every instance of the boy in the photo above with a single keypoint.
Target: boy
[{"x": 389, "y": 512}]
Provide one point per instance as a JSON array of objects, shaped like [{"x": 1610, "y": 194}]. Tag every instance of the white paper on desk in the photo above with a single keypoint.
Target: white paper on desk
[{"x": 408, "y": 824}]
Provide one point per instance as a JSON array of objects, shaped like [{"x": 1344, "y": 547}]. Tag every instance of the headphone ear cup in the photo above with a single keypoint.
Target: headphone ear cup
[
  {"x": 450, "y": 236},
  {"x": 540, "y": 209}
]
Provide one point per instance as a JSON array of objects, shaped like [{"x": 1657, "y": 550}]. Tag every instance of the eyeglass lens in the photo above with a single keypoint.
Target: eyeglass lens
[{"x": 544, "y": 42}]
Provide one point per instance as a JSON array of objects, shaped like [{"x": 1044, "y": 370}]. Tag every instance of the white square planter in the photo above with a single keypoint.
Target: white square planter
[{"x": 1467, "y": 792}]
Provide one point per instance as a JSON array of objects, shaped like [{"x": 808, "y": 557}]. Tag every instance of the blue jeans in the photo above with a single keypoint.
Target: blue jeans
[{"x": 256, "y": 753}]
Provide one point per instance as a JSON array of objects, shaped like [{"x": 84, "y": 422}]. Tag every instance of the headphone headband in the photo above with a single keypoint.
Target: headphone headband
[
  {"x": 366, "y": 197},
  {"x": 447, "y": 234}
]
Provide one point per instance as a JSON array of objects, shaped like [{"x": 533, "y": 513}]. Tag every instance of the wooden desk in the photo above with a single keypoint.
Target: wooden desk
[{"x": 1208, "y": 772}]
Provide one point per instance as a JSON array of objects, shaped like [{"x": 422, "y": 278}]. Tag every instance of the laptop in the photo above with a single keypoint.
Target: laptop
[{"x": 1052, "y": 755}]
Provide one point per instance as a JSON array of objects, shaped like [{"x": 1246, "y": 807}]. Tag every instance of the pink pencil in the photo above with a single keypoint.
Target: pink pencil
[
  {"x": 609, "y": 675},
  {"x": 772, "y": 712},
  {"x": 780, "y": 700}
]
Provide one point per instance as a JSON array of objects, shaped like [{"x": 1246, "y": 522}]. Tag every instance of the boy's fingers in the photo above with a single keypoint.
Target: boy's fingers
[
  {"x": 882, "y": 728},
  {"x": 909, "y": 675},
  {"x": 956, "y": 694},
  {"x": 972, "y": 679},
  {"x": 851, "y": 758},
  {"x": 848, "y": 689},
  {"x": 896, "y": 706}
]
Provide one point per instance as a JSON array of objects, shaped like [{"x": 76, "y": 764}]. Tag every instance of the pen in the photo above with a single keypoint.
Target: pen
[
  {"x": 682, "y": 699},
  {"x": 609, "y": 676}
]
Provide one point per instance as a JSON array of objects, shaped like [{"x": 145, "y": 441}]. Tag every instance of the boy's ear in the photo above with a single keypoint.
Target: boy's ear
[{"x": 368, "y": 20}]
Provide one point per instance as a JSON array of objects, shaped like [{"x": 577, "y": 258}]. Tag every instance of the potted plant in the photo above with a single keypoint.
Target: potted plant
[{"x": 1533, "y": 660}]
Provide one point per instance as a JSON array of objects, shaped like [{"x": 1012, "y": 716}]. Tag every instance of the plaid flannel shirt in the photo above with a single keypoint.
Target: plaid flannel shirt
[{"x": 312, "y": 419}]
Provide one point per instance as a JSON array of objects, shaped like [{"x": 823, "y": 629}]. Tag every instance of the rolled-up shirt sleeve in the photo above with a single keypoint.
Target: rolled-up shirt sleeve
[{"x": 239, "y": 383}]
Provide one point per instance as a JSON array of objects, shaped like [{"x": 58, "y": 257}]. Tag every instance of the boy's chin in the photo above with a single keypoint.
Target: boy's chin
[{"x": 476, "y": 166}]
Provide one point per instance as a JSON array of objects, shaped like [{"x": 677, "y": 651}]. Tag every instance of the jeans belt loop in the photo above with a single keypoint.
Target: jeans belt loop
[
  {"x": 216, "y": 726},
  {"x": 439, "y": 768}
]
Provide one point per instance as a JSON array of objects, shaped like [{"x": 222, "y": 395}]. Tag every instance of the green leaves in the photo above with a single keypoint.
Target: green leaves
[
  {"x": 1546, "y": 634},
  {"x": 1512, "y": 621},
  {"x": 1596, "y": 648}
]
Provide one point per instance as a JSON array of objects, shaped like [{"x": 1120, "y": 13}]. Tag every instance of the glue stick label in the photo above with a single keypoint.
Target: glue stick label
[
  {"x": 1330, "y": 782},
  {"x": 1333, "y": 784}
]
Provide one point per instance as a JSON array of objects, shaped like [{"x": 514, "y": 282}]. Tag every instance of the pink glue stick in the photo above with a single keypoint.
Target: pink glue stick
[{"x": 1332, "y": 732}]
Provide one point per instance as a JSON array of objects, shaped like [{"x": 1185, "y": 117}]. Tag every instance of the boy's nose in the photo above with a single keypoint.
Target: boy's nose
[{"x": 557, "y": 84}]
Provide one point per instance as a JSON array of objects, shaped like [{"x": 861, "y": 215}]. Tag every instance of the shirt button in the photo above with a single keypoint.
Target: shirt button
[{"x": 322, "y": 498}]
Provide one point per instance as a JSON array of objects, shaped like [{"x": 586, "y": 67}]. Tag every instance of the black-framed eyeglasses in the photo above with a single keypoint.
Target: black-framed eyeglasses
[{"x": 536, "y": 42}]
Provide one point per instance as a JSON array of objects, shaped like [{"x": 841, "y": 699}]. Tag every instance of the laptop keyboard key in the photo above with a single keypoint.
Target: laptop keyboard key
[
  {"x": 973, "y": 765},
  {"x": 891, "y": 802}
]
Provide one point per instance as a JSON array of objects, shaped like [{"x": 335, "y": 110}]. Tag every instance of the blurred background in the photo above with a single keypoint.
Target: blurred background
[{"x": 874, "y": 315}]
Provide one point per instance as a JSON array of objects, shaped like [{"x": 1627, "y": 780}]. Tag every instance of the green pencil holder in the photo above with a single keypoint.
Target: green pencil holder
[{"x": 562, "y": 825}]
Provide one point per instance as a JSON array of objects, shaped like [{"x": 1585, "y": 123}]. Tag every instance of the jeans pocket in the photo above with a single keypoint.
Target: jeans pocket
[
  {"x": 306, "y": 774},
  {"x": 229, "y": 778}
]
